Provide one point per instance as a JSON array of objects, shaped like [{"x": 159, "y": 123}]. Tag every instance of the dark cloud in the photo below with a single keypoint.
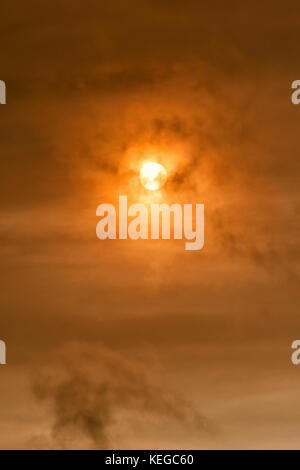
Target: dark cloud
[{"x": 88, "y": 398}]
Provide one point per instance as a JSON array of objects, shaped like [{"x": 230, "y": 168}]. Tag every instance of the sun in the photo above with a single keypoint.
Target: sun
[{"x": 153, "y": 175}]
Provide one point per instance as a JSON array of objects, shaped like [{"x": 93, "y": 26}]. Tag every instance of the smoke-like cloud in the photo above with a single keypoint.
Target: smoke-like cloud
[{"x": 92, "y": 390}]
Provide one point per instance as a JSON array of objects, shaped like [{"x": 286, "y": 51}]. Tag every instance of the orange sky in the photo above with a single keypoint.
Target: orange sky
[{"x": 141, "y": 344}]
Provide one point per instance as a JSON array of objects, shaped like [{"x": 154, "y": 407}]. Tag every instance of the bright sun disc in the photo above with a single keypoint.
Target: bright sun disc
[{"x": 153, "y": 175}]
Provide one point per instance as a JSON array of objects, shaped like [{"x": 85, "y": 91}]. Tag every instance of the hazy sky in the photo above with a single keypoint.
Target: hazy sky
[{"x": 141, "y": 344}]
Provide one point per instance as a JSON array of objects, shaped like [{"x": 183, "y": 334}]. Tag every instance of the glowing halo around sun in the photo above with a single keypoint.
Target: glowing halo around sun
[{"x": 153, "y": 175}]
